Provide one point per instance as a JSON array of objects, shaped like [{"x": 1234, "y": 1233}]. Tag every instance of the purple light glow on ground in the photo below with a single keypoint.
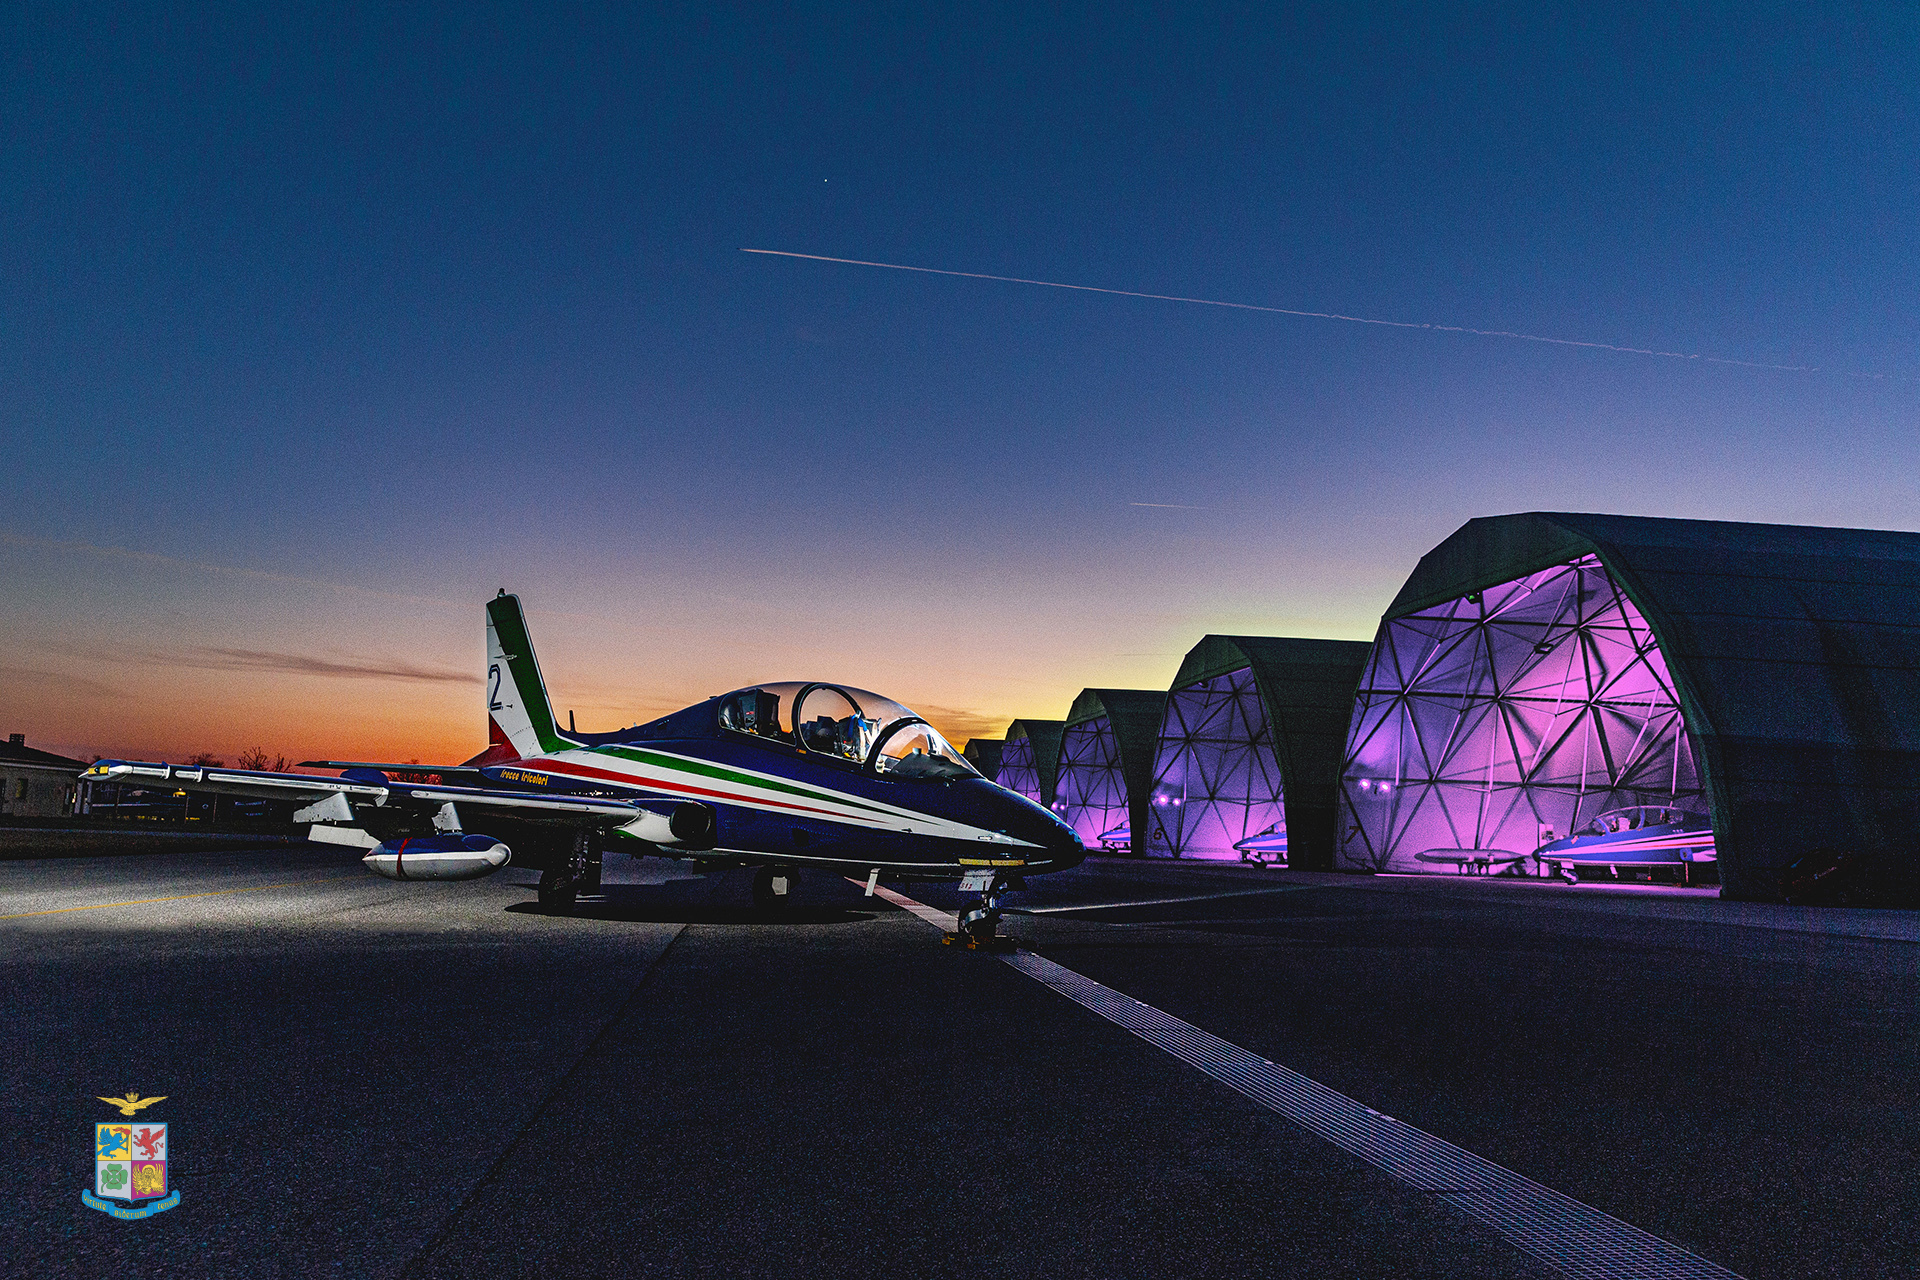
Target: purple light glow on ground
[
  {"x": 1510, "y": 717},
  {"x": 1215, "y": 779}
]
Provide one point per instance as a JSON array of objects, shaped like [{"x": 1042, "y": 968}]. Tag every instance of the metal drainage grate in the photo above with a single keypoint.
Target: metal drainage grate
[{"x": 1562, "y": 1232}]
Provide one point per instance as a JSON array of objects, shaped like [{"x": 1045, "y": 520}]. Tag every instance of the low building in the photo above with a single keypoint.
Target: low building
[{"x": 35, "y": 783}]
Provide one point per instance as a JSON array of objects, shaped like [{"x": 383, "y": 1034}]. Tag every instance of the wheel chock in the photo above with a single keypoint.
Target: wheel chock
[{"x": 996, "y": 943}]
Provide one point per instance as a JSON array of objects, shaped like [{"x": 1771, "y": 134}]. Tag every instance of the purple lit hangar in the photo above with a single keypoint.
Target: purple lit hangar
[
  {"x": 1552, "y": 690},
  {"x": 1250, "y": 748},
  {"x": 1106, "y": 763},
  {"x": 1500, "y": 721},
  {"x": 1030, "y": 759}
]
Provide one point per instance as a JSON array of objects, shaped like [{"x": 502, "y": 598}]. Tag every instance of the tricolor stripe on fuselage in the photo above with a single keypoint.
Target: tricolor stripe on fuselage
[
  {"x": 664, "y": 773},
  {"x": 1604, "y": 850}
]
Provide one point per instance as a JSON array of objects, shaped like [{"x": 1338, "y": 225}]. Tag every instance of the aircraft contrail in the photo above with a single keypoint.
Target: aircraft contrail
[{"x": 1335, "y": 315}]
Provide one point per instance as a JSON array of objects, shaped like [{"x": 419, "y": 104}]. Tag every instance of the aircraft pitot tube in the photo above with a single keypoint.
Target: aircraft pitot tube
[
  {"x": 688, "y": 825},
  {"x": 443, "y": 857}
]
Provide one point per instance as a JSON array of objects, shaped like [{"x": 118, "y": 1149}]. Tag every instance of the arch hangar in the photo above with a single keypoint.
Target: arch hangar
[
  {"x": 1106, "y": 765},
  {"x": 984, "y": 755},
  {"x": 1030, "y": 759},
  {"x": 1252, "y": 739},
  {"x": 1538, "y": 670}
]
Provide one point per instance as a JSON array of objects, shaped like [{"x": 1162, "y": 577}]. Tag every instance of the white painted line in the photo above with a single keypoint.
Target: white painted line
[
  {"x": 1168, "y": 902},
  {"x": 938, "y": 919},
  {"x": 1574, "y": 1238}
]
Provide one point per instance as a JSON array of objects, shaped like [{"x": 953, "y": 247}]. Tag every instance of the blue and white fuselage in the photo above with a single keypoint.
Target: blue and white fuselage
[
  {"x": 777, "y": 776},
  {"x": 1645, "y": 835}
]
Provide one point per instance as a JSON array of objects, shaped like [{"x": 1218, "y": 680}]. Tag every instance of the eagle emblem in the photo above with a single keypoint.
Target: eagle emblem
[{"x": 133, "y": 1102}]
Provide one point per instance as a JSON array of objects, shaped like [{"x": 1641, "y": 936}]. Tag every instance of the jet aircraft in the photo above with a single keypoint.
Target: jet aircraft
[
  {"x": 1641, "y": 836},
  {"x": 774, "y": 776}
]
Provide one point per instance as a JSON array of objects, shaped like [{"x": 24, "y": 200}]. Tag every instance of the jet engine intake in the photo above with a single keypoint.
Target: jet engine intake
[
  {"x": 441, "y": 857},
  {"x": 688, "y": 825}
]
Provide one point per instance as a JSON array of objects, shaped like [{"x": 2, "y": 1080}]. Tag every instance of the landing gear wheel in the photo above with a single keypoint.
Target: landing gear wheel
[
  {"x": 773, "y": 888},
  {"x": 558, "y": 891},
  {"x": 586, "y": 861},
  {"x": 979, "y": 926},
  {"x": 590, "y": 878}
]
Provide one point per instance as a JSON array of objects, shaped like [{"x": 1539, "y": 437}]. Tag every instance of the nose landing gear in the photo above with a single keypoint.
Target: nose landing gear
[{"x": 980, "y": 925}]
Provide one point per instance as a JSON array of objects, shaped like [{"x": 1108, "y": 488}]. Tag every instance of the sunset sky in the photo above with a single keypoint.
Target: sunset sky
[{"x": 317, "y": 326}]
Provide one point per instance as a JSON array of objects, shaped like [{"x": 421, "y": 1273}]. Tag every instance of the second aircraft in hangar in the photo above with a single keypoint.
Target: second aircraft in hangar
[{"x": 776, "y": 776}]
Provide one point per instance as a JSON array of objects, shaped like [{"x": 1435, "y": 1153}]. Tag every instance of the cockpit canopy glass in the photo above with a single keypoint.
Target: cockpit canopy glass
[
  {"x": 1637, "y": 819},
  {"x": 845, "y": 723}
]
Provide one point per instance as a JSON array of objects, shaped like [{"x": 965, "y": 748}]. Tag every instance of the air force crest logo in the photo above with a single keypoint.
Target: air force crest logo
[{"x": 130, "y": 1165}]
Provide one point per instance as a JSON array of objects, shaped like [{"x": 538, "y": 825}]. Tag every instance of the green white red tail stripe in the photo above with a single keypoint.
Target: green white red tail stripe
[{"x": 517, "y": 706}]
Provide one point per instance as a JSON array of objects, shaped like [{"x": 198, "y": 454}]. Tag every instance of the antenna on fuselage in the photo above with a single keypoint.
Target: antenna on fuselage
[{"x": 570, "y": 728}]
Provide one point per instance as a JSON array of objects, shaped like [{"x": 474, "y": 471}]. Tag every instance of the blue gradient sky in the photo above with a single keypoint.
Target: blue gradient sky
[{"x": 318, "y": 325}]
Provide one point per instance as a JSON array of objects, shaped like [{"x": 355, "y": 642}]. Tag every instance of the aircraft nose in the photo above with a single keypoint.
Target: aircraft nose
[{"x": 1063, "y": 846}]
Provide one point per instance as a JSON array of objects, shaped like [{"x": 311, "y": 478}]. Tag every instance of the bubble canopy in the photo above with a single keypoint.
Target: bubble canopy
[{"x": 847, "y": 724}]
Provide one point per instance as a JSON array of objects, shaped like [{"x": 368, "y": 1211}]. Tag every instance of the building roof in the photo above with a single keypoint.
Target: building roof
[
  {"x": 1795, "y": 654},
  {"x": 1306, "y": 689},
  {"x": 15, "y": 751}
]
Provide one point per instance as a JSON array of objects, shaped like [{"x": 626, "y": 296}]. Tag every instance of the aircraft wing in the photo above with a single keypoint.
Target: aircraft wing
[
  {"x": 370, "y": 788},
  {"x": 448, "y": 773}
]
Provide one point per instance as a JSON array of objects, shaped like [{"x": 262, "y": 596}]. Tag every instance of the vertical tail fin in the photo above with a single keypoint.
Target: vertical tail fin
[{"x": 517, "y": 706}]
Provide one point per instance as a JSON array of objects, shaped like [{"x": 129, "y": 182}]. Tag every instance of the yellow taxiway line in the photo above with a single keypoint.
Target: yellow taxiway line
[{"x": 178, "y": 897}]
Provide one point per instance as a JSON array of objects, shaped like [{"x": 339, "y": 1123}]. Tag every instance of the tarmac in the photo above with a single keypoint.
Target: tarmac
[{"x": 370, "y": 1079}]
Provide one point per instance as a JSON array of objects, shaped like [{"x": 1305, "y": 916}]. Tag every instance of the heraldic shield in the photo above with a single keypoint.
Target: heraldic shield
[{"x": 130, "y": 1165}]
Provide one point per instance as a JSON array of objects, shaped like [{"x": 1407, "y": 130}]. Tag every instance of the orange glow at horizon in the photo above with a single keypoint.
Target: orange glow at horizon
[{"x": 139, "y": 656}]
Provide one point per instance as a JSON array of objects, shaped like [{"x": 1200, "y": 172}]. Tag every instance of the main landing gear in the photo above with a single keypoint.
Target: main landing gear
[
  {"x": 980, "y": 925},
  {"x": 562, "y": 886}
]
